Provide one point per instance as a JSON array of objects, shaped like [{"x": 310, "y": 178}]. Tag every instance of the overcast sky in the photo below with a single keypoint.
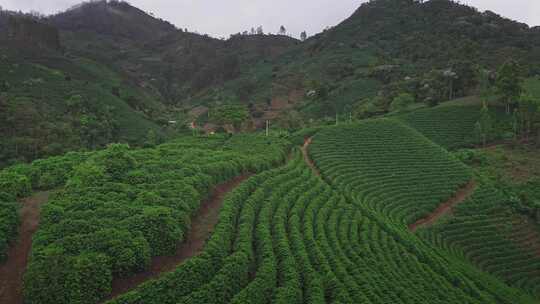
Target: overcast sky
[{"x": 221, "y": 18}]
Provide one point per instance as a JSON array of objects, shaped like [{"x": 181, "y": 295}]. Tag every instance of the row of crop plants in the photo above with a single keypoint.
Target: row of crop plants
[
  {"x": 20, "y": 180},
  {"x": 239, "y": 247},
  {"x": 119, "y": 207},
  {"x": 449, "y": 126},
  {"x": 391, "y": 170},
  {"x": 453, "y": 126},
  {"x": 9, "y": 221},
  {"x": 285, "y": 236},
  {"x": 389, "y": 167},
  {"x": 486, "y": 231}
]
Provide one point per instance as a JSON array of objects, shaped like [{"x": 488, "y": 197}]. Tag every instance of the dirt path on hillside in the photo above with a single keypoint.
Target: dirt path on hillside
[
  {"x": 11, "y": 272},
  {"x": 202, "y": 226},
  {"x": 446, "y": 208},
  {"x": 307, "y": 159}
]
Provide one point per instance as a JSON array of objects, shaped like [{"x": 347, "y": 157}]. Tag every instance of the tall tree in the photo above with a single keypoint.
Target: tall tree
[
  {"x": 484, "y": 125},
  {"x": 303, "y": 36},
  {"x": 529, "y": 106},
  {"x": 282, "y": 30},
  {"x": 508, "y": 83},
  {"x": 515, "y": 124},
  {"x": 260, "y": 30},
  {"x": 484, "y": 85},
  {"x": 401, "y": 102}
]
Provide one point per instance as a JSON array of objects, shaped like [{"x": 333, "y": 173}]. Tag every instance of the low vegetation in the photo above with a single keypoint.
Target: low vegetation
[
  {"x": 402, "y": 110},
  {"x": 389, "y": 167},
  {"x": 285, "y": 236},
  {"x": 490, "y": 233},
  {"x": 120, "y": 207}
]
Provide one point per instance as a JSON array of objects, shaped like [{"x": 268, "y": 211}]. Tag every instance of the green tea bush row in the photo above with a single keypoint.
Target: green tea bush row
[
  {"x": 285, "y": 236},
  {"x": 9, "y": 221},
  {"x": 453, "y": 126},
  {"x": 389, "y": 167},
  {"x": 20, "y": 180},
  {"x": 489, "y": 233},
  {"x": 125, "y": 206}
]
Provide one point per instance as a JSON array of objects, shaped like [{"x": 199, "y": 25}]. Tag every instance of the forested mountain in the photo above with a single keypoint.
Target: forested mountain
[
  {"x": 113, "y": 18},
  {"x": 430, "y": 50},
  {"x": 392, "y": 46},
  {"x": 400, "y": 160},
  {"x": 173, "y": 63}
]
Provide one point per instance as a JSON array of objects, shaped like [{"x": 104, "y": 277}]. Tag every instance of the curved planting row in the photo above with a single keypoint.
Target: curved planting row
[
  {"x": 448, "y": 126},
  {"x": 487, "y": 232},
  {"x": 20, "y": 180},
  {"x": 9, "y": 221},
  {"x": 389, "y": 167},
  {"x": 122, "y": 206},
  {"x": 451, "y": 126},
  {"x": 284, "y": 236}
]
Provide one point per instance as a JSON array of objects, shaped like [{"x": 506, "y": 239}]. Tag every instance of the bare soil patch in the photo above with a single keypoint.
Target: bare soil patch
[
  {"x": 307, "y": 159},
  {"x": 11, "y": 272},
  {"x": 525, "y": 234},
  {"x": 446, "y": 208},
  {"x": 202, "y": 226}
]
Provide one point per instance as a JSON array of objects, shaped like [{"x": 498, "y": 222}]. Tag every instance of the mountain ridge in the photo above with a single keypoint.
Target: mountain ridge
[{"x": 355, "y": 69}]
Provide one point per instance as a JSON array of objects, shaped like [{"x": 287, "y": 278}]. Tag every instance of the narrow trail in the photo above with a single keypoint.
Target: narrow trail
[
  {"x": 307, "y": 159},
  {"x": 11, "y": 272},
  {"x": 202, "y": 226},
  {"x": 446, "y": 208}
]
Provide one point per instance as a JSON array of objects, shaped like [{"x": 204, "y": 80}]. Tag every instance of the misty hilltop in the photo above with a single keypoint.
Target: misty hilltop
[{"x": 391, "y": 159}]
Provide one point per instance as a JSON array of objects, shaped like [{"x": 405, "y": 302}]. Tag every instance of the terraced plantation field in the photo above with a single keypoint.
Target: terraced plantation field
[
  {"x": 451, "y": 126},
  {"x": 8, "y": 222},
  {"x": 389, "y": 167},
  {"x": 116, "y": 209},
  {"x": 20, "y": 180},
  {"x": 486, "y": 231},
  {"x": 285, "y": 236}
]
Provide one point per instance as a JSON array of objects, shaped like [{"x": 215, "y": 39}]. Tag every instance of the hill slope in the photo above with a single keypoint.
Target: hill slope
[
  {"x": 354, "y": 69},
  {"x": 52, "y": 103}
]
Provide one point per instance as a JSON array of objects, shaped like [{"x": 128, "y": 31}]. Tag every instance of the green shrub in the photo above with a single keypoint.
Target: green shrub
[{"x": 15, "y": 184}]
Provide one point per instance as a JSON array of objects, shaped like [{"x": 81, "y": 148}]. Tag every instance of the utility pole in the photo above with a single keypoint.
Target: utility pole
[
  {"x": 337, "y": 119},
  {"x": 267, "y": 127}
]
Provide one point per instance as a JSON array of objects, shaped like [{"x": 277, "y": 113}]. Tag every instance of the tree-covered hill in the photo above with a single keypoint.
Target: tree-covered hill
[
  {"x": 52, "y": 102},
  {"x": 432, "y": 51},
  {"x": 175, "y": 63},
  {"x": 113, "y": 18}
]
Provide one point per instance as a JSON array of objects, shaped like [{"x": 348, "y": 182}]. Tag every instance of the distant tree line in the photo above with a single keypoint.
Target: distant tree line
[{"x": 260, "y": 31}]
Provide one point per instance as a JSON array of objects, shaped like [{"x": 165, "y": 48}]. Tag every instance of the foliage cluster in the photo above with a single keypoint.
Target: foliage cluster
[
  {"x": 389, "y": 167},
  {"x": 285, "y": 236},
  {"x": 52, "y": 104},
  {"x": 122, "y": 206},
  {"x": 9, "y": 222},
  {"x": 452, "y": 126},
  {"x": 20, "y": 180},
  {"x": 487, "y": 231}
]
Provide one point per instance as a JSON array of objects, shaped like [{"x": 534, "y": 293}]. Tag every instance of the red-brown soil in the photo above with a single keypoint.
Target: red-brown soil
[
  {"x": 11, "y": 272},
  {"x": 525, "y": 235},
  {"x": 446, "y": 208},
  {"x": 307, "y": 159},
  {"x": 202, "y": 226}
]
